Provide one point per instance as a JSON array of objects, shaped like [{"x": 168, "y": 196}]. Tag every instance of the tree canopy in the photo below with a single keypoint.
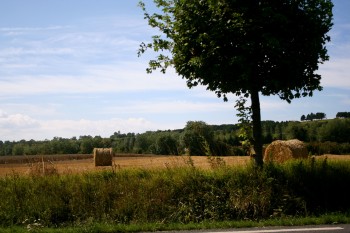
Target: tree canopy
[
  {"x": 313, "y": 116},
  {"x": 244, "y": 47},
  {"x": 343, "y": 115}
]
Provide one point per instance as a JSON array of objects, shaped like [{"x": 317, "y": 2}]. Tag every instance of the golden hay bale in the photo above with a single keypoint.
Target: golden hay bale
[
  {"x": 280, "y": 151},
  {"x": 103, "y": 156}
]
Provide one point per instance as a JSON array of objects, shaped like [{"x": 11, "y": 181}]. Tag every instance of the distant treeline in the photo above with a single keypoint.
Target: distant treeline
[
  {"x": 343, "y": 115},
  {"x": 320, "y": 116},
  {"x": 313, "y": 116},
  {"x": 197, "y": 138}
]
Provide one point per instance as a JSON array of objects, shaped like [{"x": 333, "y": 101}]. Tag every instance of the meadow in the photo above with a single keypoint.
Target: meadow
[{"x": 168, "y": 190}]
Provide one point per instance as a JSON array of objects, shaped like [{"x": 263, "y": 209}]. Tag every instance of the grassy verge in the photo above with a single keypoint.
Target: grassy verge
[
  {"x": 177, "y": 198},
  {"x": 333, "y": 219}
]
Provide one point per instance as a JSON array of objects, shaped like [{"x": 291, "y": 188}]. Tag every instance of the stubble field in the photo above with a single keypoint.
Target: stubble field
[{"x": 69, "y": 164}]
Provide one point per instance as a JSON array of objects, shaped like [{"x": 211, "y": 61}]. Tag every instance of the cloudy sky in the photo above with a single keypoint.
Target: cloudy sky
[{"x": 70, "y": 68}]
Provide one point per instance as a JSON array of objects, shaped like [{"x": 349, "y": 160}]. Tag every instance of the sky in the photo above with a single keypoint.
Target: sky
[{"x": 69, "y": 68}]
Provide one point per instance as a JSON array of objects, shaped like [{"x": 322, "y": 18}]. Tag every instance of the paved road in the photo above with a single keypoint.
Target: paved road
[
  {"x": 300, "y": 229},
  {"x": 341, "y": 228}
]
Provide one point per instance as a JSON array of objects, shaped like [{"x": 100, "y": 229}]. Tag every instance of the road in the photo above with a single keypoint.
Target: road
[
  {"x": 341, "y": 228},
  {"x": 299, "y": 229}
]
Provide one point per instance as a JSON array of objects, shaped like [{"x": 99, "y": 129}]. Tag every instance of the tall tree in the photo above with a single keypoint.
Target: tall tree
[
  {"x": 198, "y": 137},
  {"x": 244, "y": 47}
]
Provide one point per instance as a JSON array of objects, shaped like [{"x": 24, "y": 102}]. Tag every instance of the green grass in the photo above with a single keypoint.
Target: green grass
[
  {"x": 295, "y": 193},
  {"x": 333, "y": 219}
]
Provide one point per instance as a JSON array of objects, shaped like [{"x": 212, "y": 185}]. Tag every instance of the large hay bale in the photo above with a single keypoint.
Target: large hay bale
[
  {"x": 280, "y": 151},
  {"x": 103, "y": 156}
]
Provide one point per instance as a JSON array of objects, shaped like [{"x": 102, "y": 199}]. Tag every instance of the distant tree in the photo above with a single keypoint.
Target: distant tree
[
  {"x": 343, "y": 115},
  {"x": 320, "y": 116},
  {"x": 337, "y": 130},
  {"x": 198, "y": 138},
  {"x": 233, "y": 140},
  {"x": 303, "y": 118},
  {"x": 310, "y": 117},
  {"x": 296, "y": 130},
  {"x": 18, "y": 149},
  {"x": 142, "y": 143},
  {"x": 243, "y": 47},
  {"x": 267, "y": 138},
  {"x": 86, "y": 145},
  {"x": 166, "y": 145},
  {"x": 313, "y": 116}
]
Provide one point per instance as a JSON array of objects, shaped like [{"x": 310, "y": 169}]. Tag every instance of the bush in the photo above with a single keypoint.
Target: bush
[
  {"x": 337, "y": 130},
  {"x": 320, "y": 148}
]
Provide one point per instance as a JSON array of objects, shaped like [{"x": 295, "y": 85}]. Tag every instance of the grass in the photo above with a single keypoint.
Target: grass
[
  {"x": 130, "y": 200},
  {"x": 92, "y": 227}
]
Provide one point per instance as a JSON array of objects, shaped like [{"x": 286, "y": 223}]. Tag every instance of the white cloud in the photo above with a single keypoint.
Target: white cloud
[
  {"x": 16, "y": 121},
  {"x": 335, "y": 73},
  {"x": 170, "y": 107},
  {"x": 20, "y": 31},
  {"x": 95, "y": 127},
  {"x": 31, "y": 29},
  {"x": 18, "y": 51},
  {"x": 16, "y": 127},
  {"x": 275, "y": 104},
  {"x": 95, "y": 79}
]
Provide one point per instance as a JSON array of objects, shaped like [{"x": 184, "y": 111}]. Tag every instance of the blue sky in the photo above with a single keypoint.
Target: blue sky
[{"x": 70, "y": 68}]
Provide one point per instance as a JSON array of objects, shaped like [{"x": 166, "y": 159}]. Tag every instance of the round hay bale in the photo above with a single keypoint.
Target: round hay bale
[
  {"x": 280, "y": 150},
  {"x": 103, "y": 156}
]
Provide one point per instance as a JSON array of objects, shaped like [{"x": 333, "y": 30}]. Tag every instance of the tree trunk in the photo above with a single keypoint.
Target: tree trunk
[{"x": 257, "y": 134}]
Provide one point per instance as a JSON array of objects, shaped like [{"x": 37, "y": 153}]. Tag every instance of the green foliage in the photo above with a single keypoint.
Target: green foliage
[
  {"x": 313, "y": 116},
  {"x": 123, "y": 143},
  {"x": 343, "y": 115},
  {"x": 220, "y": 43},
  {"x": 166, "y": 145},
  {"x": 176, "y": 195},
  {"x": 320, "y": 148},
  {"x": 297, "y": 131},
  {"x": 318, "y": 181},
  {"x": 246, "y": 130},
  {"x": 337, "y": 130},
  {"x": 198, "y": 138}
]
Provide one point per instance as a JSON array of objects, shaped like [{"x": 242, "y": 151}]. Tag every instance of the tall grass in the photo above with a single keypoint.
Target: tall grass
[{"x": 176, "y": 195}]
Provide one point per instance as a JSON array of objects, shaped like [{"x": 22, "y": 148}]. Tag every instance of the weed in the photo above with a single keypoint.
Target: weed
[
  {"x": 42, "y": 168},
  {"x": 216, "y": 162},
  {"x": 175, "y": 194}
]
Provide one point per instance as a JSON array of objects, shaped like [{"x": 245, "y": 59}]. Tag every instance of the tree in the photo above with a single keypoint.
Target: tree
[
  {"x": 142, "y": 143},
  {"x": 166, "y": 145},
  {"x": 198, "y": 138},
  {"x": 320, "y": 115},
  {"x": 337, "y": 130},
  {"x": 244, "y": 47},
  {"x": 310, "y": 117},
  {"x": 343, "y": 115},
  {"x": 313, "y": 116},
  {"x": 296, "y": 130}
]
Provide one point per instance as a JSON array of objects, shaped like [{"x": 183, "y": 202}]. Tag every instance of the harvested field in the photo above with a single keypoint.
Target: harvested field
[{"x": 69, "y": 164}]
